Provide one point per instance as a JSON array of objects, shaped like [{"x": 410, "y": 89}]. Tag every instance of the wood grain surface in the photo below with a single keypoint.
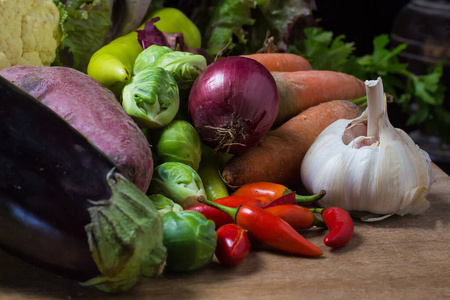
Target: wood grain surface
[{"x": 398, "y": 258}]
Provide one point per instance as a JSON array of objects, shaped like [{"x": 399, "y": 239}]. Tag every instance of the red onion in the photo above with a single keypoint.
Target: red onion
[{"x": 233, "y": 103}]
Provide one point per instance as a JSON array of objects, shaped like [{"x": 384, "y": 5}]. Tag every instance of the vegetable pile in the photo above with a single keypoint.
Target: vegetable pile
[{"x": 168, "y": 148}]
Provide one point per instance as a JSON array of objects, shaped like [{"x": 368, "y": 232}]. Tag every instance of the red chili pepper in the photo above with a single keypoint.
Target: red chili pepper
[
  {"x": 221, "y": 218},
  {"x": 269, "y": 229},
  {"x": 340, "y": 225},
  {"x": 232, "y": 244},
  {"x": 297, "y": 216},
  {"x": 269, "y": 191}
]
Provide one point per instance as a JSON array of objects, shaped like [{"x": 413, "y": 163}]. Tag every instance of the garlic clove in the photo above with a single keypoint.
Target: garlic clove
[{"x": 414, "y": 201}]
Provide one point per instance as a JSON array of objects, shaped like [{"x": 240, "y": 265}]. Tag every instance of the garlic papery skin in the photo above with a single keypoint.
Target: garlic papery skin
[{"x": 384, "y": 174}]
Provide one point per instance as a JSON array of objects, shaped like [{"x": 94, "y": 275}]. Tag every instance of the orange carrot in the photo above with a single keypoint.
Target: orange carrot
[
  {"x": 278, "y": 156},
  {"x": 303, "y": 89},
  {"x": 281, "y": 62}
]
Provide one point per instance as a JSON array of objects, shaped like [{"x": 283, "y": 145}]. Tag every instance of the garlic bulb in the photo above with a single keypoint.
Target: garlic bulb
[{"x": 367, "y": 165}]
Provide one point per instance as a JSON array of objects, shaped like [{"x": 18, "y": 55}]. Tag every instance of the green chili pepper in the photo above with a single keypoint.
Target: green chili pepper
[
  {"x": 112, "y": 65},
  {"x": 209, "y": 171}
]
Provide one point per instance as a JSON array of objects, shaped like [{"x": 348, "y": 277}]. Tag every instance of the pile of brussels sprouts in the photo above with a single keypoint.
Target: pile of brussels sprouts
[
  {"x": 189, "y": 237},
  {"x": 156, "y": 98}
]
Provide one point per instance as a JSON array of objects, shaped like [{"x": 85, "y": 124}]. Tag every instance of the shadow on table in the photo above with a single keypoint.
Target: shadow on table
[{"x": 19, "y": 278}]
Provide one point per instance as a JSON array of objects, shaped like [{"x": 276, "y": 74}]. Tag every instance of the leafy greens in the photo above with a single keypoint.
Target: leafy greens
[{"x": 421, "y": 97}]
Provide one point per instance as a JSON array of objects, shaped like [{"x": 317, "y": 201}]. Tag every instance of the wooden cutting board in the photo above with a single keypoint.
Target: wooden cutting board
[{"x": 397, "y": 258}]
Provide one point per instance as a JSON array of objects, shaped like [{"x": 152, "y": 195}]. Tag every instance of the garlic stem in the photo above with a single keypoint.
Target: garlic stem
[{"x": 375, "y": 106}]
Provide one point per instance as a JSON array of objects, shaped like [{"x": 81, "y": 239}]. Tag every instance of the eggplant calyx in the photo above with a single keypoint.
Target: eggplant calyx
[{"x": 125, "y": 237}]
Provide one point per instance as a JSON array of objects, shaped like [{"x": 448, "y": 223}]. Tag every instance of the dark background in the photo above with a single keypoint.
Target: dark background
[{"x": 359, "y": 20}]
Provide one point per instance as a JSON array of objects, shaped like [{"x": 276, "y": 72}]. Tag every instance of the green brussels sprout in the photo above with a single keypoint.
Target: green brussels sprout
[
  {"x": 190, "y": 240},
  {"x": 180, "y": 142},
  {"x": 183, "y": 66},
  {"x": 179, "y": 182},
  {"x": 164, "y": 204},
  {"x": 151, "y": 98},
  {"x": 148, "y": 57}
]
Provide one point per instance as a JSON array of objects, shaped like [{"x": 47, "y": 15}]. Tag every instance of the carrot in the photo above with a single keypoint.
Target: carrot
[
  {"x": 303, "y": 89},
  {"x": 278, "y": 156},
  {"x": 281, "y": 62}
]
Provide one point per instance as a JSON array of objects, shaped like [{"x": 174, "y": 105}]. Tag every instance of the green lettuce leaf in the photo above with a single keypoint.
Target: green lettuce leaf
[
  {"x": 62, "y": 31},
  {"x": 226, "y": 23},
  {"x": 236, "y": 27},
  {"x": 87, "y": 28},
  {"x": 281, "y": 15}
]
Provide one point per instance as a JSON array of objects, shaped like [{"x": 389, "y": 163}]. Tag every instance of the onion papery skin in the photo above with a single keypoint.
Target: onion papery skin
[{"x": 233, "y": 103}]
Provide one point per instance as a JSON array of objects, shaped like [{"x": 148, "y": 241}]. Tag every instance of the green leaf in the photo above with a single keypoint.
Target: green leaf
[
  {"x": 62, "y": 31},
  {"x": 227, "y": 22},
  {"x": 87, "y": 27},
  {"x": 419, "y": 116},
  {"x": 422, "y": 92},
  {"x": 382, "y": 61},
  {"x": 427, "y": 87},
  {"x": 240, "y": 26},
  {"x": 324, "y": 52}
]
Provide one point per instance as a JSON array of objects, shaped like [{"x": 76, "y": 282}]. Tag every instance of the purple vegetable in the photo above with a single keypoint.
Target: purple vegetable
[
  {"x": 94, "y": 111},
  {"x": 233, "y": 103},
  {"x": 285, "y": 199},
  {"x": 151, "y": 35}
]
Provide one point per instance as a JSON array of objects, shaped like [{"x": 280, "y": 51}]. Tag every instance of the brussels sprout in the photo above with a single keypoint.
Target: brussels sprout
[
  {"x": 149, "y": 56},
  {"x": 190, "y": 240},
  {"x": 151, "y": 98},
  {"x": 180, "y": 142},
  {"x": 164, "y": 204},
  {"x": 179, "y": 182},
  {"x": 183, "y": 66}
]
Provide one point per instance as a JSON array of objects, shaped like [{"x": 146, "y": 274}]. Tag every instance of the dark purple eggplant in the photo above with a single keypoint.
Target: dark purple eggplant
[{"x": 55, "y": 192}]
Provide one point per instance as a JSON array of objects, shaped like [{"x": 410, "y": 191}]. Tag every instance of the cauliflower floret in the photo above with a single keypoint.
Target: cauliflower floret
[{"x": 29, "y": 31}]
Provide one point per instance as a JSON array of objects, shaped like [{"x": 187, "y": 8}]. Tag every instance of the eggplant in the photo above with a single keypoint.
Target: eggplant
[{"x": 57, "y": 192}]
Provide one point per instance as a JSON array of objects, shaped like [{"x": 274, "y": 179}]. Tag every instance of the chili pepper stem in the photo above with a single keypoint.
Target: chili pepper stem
[
  {"x": 311, "y": 198},
  {"x": 229, "y": 210},
  {"x": 317, "y": 210},
  {"x": 318, "y": 222}
]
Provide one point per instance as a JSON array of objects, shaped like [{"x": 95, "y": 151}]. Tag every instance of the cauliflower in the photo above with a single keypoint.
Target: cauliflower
[{"x": 29, "y": 31}]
